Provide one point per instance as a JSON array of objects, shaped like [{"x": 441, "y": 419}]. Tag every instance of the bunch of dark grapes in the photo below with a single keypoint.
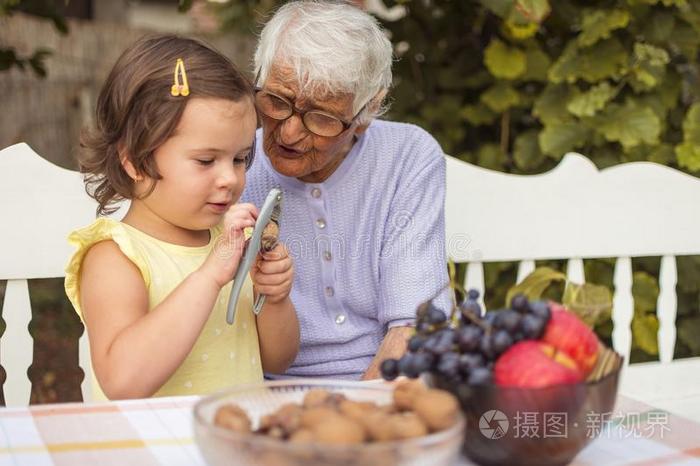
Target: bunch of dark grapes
[{"x": 464, "y": 346}]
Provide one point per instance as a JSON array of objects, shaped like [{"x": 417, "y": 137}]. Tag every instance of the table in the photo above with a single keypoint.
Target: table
[{"x": 158, "y": 431}]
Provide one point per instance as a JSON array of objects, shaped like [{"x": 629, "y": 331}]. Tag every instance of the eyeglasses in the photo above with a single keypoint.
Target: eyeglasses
[{"x": 316, "y": 121}]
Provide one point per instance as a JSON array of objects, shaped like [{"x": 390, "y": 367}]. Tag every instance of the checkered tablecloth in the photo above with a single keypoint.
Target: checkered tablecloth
[{"x": 159, "y": 432}]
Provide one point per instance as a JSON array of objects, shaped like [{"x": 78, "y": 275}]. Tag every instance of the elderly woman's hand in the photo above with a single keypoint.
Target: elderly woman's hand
[{"x": 273, "y": 274}]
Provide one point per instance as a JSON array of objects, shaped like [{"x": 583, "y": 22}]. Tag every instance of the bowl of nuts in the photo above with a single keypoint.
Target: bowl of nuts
[{"x": 329, "y": 423}]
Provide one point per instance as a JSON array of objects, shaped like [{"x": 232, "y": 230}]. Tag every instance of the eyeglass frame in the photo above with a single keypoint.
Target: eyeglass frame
[{"x": 293, "y": 109}]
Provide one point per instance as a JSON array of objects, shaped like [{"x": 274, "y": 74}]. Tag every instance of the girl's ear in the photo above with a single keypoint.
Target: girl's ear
[
  {"x": 373, "y": 105},
  {"x": 129, "y": 167}
]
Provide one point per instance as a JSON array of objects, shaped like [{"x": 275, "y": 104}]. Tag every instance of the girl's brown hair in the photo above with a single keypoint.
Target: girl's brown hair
[{"x": 136, "y": 112}]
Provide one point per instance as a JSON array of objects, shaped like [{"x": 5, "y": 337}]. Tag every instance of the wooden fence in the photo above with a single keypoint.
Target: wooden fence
[{"x": 49, "y": 113}]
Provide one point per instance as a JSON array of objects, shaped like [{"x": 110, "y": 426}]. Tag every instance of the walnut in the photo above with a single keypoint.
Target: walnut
[
  {"x": 315, "y": 397},
  {"x": 287, "y": 417},
  {"x": 302, "y": 436},
  {"x": 356, "y": 410},
  {"x": 437, "y": 408},
  {"x": 313, "y": 416},
  {"x": 232, "y": 417},
  {"x": 378, "y": 426},
  {"x": 338, "y": 430},
  {"x": 334, "y": 400},
  {"x": 273, "y": 458},
  {"x": 406, "y": 425},
  {"x": 270, "y": 236},
  {"x": 406, "y": 392}
]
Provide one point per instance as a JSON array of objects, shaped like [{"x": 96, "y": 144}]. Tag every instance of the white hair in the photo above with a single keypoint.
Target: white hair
[{"x": 332, "y": 47}]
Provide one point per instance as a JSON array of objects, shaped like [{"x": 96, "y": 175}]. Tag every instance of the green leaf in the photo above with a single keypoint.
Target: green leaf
[
  {"x": 599, "y": 24},
  {"x": 689, "y": 268},
  {"x": 526, "y": 150},
  {"x": 556, "y": 139},
  {"x": 478, "y": 79},
  {"x": 688, "y": 152},
  {"x": 645, "y": 325},
  {"x": 6, "y": 6},
  {"x": 688, "y": 333},
  {"x": 662, "y": 153},
  {"x": 532, "y": 10},
  {"x": 452, "y": 273},
  {"x": 670, "y": 89},
  {"x": 534, "y": 284},
  {"x": 60, "y": 23},
  {"x": 503, "y": 61},
  {"x": 500, "y": 97},
  {"x": 8, "y": 58},
  {"x": 451, "y": 79},
  {"x": 691, "y": 125},
  {"x": 501, "y": 8},
  {"x": 677, "y": 3},
  {"x": 603, "y": 60},
  {"x": 491, "y": 156},
  {"x": 630, "y": 124},
  {"x": 685, "y": 38},
  {"x": 588, "y": 103},
  {"x": 184, "y": 5},
  {"x": 590, "y": 302},
  {"x": 659, "y": 26},
  {"x": 478, "y": 114},
  {"x": 550, "y": 106},
  {"x": 655, "y": 101},
  {"x": 537, "y": 65},
  {"x": 649, "y": 66},
  {"x": 645, "y": 290},
  {"x": 645, "y": 329},
  {"x": 688, "y": 156},
  {"x": 520, "y": 31},
  {"x": 37, "y": 61}
]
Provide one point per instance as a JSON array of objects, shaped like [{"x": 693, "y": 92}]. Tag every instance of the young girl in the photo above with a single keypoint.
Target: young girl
[{"x": 174, "y": 133}]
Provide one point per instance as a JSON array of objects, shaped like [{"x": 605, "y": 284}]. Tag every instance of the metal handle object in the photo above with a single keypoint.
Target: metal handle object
[{"x": 273, "y": 200}]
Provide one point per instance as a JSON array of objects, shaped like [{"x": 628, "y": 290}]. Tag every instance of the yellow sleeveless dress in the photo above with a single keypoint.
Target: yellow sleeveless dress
[{"x": 224, "y": 354}]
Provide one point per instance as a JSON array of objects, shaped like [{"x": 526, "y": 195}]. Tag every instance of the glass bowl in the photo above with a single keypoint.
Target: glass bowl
[
  {"x": 220, "y": 446},
  {"x": 534, "y": 426}
]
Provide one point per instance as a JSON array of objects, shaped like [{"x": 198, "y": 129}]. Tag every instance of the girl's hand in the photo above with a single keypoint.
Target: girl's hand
[
  {"x": 223, "y": 261},
  {"x": 273, "y": 273}
]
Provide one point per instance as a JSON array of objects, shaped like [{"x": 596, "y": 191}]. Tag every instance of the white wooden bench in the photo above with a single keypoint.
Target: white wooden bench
[
  {"x": 40, "y": 203},
  {"x": 577, "y": 212}
]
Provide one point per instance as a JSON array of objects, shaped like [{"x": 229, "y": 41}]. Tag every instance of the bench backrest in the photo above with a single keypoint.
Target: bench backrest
[
  {"x": 40, "y": 203},
  {"x": 573, "y": 212}
]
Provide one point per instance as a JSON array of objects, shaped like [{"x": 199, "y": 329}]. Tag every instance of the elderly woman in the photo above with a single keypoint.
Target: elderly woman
[{"x": 363, "y": 208}]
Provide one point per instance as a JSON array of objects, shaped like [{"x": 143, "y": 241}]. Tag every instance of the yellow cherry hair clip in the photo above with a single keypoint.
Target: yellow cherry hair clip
[{"x": 178, "y": 88}]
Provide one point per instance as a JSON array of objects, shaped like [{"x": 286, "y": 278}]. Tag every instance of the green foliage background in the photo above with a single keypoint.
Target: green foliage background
[{"x": 513, "y": 85}]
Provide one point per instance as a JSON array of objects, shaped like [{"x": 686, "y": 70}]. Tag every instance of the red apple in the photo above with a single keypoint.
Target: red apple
[
  {"x": 534, "y": 364},
  {"x": 566, "y": 332}
]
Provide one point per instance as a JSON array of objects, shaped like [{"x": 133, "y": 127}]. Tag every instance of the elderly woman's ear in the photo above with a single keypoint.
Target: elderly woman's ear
[
  {"x": 375, "y": 102},
  {"x": 373, "y": 107}
]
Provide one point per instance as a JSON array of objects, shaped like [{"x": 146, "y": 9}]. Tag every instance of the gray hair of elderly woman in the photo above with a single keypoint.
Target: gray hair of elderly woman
[{"x": 332, "y": 48}]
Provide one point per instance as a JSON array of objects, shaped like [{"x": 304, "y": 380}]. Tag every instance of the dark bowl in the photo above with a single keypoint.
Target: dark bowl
[{"x": 533, "y": 426}]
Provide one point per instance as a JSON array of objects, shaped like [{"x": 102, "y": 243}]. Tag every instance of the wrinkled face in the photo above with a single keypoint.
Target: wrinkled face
[
  {"x": 202, "y": 166},
  {"x": 292, "y": 149}
]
